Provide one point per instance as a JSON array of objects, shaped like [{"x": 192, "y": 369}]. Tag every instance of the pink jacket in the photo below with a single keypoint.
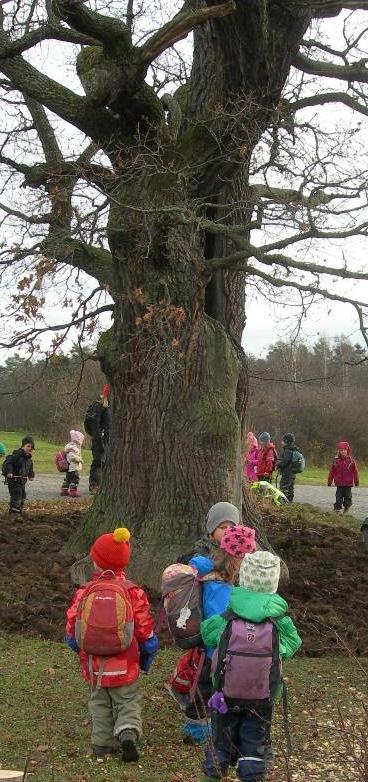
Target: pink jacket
[{"x": 250, "y": 464}]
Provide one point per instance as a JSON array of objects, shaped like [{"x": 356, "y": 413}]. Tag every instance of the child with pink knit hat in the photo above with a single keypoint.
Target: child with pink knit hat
[
  {"x": 218, "y": 576},
  {"x": 251, "y": 458},
  {"x": 73, "y": 456}
]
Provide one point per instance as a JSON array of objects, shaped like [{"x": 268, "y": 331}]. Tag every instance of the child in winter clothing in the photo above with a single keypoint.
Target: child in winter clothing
[
  {"x": 115, "y": 700},
  {"x": 285, "y": 465},
  {"x": 239, "y": 735},
  {"x": 73, "y": 455},
  {"x": 267, "y": 458},
  {"x": 344, "y": 474},
  {"x": 18, "y": 469},
  {"x": 251, "y": 458},
  {"x": 219, "y": 517},
  {"x": 218, "y": 575}
]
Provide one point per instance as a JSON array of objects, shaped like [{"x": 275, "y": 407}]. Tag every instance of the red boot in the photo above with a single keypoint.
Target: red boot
[{"x": 73, "y": 491}]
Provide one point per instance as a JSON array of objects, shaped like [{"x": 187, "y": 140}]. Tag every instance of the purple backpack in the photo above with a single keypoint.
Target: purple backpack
[{"x": 247, "y": 665}]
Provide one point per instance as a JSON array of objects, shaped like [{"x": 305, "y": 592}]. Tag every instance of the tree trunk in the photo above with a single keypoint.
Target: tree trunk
[{"x": 173, "y": 357}]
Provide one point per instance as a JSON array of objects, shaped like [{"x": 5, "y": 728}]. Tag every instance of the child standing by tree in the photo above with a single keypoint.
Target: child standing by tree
[
  {"x": 110, "y": 625},
  {"x": 17, "y": 470},
  {"x": 267, "y": 458},
  {"x": 251, "y": 638},
  {"x": 251, "y": 458},
  {"x": 73, "y": 454},
  {"x": 344, "y": 474}
]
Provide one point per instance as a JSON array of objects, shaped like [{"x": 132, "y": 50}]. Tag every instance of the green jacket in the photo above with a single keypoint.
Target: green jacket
[{"x": 255, "y": 607}]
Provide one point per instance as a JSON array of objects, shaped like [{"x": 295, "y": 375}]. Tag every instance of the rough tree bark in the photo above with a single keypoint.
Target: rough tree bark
[{"x": 173, "y": 357}]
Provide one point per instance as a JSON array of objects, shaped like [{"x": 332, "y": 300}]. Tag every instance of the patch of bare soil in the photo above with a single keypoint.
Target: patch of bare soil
[{"x": 327, "y": 595}]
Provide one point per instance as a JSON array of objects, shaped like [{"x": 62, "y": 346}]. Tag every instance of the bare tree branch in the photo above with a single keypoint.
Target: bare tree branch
[
  {"x": 329, "y": 97},
  {"x": 180, "y": 26},
  {"x": 356, "y": 72}
]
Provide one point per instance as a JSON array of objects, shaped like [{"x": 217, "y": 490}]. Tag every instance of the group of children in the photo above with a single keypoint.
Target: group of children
[
  {"x": 261, "y": 460},
  {"x": 17, "y": 469},
  {"x": 245, "y": 632}
]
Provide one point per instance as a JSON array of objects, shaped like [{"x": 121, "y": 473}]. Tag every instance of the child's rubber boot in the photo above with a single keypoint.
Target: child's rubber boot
[
  {"x": 73, "y": 491},
  {"x": 64, "y": 491},
  {"x": 196, "y": 733},
  {"x": 128, "y": 740}
]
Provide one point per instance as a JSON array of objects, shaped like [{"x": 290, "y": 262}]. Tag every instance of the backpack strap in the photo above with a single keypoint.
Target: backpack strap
[{"x": 199, "y": 670}]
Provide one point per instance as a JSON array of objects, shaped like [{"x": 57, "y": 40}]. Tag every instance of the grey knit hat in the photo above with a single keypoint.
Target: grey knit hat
[
  {"x": 222, "y": 511},
  {"x": 260, "y": 572},
  {"x": 265, "y": 437}
]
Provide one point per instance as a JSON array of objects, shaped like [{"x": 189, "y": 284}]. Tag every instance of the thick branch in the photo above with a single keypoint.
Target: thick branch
[
  {"x": 94, "y": 261},
  {"x": 102, "y": 28},
  {"x": 45, "y": 32},
  {"x": 329, "y": 97},
  {"x": 284, "y": 195},
  {"x": 356, "y": 72},
  {"x": 65, "y": 103},
  {"x": 45, "y": 132},
  {"x": 180, "y": 26}
]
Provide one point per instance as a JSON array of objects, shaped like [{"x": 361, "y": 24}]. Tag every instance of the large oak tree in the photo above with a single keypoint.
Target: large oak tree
[{"x": 155, "y": 194}]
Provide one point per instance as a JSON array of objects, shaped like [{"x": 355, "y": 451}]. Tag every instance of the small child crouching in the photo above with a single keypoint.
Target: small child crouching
[
  {"x": 110, "y": 625},
  {"x": 251, "y": 638},
  {"x": 73, "y": 455}
]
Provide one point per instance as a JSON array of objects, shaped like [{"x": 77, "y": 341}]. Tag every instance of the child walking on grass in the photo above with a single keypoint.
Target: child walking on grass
[
  {"x": 110, "y": 625},
  {"x": 344, "y": 474},
  {"x": 73, "y": 455},
  {"x": 250, "y": 638},
  {"x": 218, "y": 575}
]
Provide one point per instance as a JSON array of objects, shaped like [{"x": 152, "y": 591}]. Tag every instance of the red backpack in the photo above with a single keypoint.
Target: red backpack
[
  {"x": 61, "y": 461},
  {"x": 104, "y": 624}
]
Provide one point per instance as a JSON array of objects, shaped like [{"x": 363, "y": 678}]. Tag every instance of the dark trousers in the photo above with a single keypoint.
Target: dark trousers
[
  {"x": 17, "y": 491},
  {"x": 98, "y": 454},
  {"x": 343, "y": 497},
  {"x": 71, "y": 479},
  {"x": 287, "y": 482},
  {"x": 238, "y": 739}
]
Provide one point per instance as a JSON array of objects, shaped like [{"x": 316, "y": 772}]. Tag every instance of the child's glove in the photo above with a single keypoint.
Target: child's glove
[
  {"x": 68, "y": 639},
  {"x": 147, "y": 652}
]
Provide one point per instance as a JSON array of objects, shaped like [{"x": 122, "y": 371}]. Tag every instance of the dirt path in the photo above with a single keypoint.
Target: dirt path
[
  {"x": 324, "y": 497},
  {"x": 47, "y": 487}
]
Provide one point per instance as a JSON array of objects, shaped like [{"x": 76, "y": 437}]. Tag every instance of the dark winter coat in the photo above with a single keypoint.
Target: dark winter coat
[
  {"x": 101, "y": 423},
  {"x": 19, "y": 463},
  {"x": 285, "y": 462}
]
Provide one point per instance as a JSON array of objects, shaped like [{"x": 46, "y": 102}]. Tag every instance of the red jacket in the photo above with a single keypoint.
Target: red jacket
[
  {"x": 343, "y": 472},
  {"x": 124, "y": 668},
  {"x": 266, "y": 461}
]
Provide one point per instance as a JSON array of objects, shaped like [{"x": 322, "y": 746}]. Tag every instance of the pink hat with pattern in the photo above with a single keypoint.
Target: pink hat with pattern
[
  {"x": 239, "y": 540},
  {"x": 76, "y": 437}
]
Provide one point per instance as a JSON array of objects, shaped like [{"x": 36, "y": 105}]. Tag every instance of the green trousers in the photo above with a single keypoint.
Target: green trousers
[{"x": 112, "y": 710}]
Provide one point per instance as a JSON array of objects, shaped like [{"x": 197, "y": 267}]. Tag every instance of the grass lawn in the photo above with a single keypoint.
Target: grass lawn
[
  {"x": 44, "y": 720},
  {"x": 317, "y": 476},
  {"x": 44, "y": 455}
]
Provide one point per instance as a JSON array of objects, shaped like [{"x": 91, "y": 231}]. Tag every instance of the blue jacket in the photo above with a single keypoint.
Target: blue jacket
[{"x": 215, "y": 594}]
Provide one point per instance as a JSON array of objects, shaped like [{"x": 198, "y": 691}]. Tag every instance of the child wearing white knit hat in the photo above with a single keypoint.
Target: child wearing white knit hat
[{"x": 252, "y": 636}]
